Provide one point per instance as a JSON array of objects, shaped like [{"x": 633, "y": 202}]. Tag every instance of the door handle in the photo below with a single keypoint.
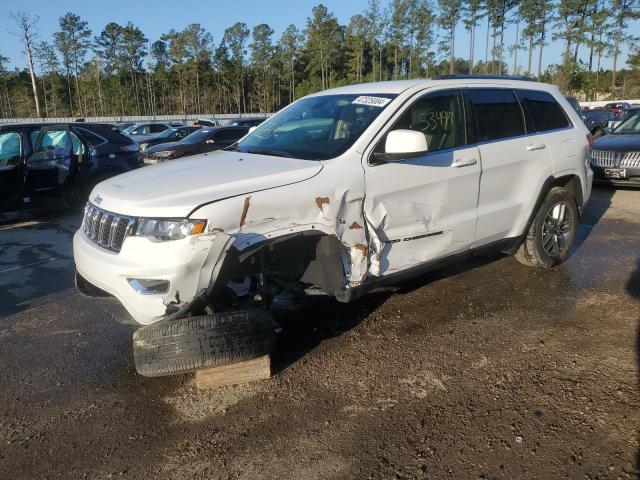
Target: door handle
[
  {"x": 536, "y": 146},
  {"x": 464, "y": 162}
]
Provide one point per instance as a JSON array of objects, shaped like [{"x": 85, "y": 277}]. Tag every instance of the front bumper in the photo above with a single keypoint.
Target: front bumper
[
  {"x": 632, "y": 178},
  {"x": 187, "y": 264}
]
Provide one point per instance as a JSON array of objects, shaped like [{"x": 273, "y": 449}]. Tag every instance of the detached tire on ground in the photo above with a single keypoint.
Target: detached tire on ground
[
  {"x": 552, "y": 231},
  {"x": 189, "y": 344}
]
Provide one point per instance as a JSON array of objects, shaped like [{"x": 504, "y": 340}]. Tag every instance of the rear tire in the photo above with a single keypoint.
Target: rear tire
[
  {"x": 552, "y": 231},
  {"x": 189, "y": 344}
]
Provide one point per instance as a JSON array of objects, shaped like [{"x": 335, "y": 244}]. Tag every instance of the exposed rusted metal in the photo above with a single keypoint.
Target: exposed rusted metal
[{"x": 245, "y": 210}]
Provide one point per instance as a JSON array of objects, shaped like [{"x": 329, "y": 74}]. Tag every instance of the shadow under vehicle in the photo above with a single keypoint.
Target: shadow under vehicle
[{"x": 63, "y": 161}]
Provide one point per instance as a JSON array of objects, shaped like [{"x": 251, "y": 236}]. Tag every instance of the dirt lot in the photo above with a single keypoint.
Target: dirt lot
[{"x": 486, "y": 370}]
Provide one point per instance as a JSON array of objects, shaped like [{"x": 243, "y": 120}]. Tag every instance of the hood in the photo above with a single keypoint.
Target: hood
[
  {"x": 618, "y": 143},
  {"x": 175, "y": 188}
]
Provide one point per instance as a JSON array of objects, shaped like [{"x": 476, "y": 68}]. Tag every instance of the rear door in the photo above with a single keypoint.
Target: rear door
[
  {"x": 424, "y": 208},
  {"x": 515, "y": 164},
  {"x": 11, "y": 156},
  {"x": 547, "y": 117}
]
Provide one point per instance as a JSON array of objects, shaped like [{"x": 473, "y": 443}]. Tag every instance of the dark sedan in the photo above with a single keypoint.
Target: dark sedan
[
  {"x": 201, "y": 141},
  {"x": 615, "y": 158},
  {"x": 174, "y": 134}
]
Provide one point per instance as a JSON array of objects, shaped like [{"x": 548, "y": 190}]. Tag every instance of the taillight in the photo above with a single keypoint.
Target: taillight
[{"x": 590, "y": 140}]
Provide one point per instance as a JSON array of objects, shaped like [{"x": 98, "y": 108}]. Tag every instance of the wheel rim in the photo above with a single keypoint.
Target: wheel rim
[{"x": 556, "y": 230}]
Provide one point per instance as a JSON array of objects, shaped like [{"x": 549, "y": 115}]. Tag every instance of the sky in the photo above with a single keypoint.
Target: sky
[{"x": 156, "y": 17}]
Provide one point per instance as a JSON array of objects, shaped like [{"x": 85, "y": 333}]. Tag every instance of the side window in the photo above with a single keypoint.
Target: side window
[
  {"x": 229, "y": 135},
  {"x": 77, "y": 147},
  {"x": 52, "y": 139},
  {"x": 141, "y": 130},
  {"x": 439, "y": 117},
  {"x": 157, "y": 128},
  {"x": 497, "y": 114},
  {"x": 9, "y": 149},
  {"x": 92, "y": 139},
  {"x": 542, "y": 110},
  {"x": 34, "y": 138}
]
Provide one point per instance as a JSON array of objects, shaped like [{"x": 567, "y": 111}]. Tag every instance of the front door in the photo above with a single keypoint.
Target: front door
[
  {"x": 424, "y": 208},
  {"x": 50, "y": 165},
  {"x": 11, "y": 155}
]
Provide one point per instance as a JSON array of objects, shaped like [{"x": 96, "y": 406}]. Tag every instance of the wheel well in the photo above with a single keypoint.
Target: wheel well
[
  {"x": 570, "y": 182},
  {"x": 573, "y": 185},
  {"x": 292, "y": 263}
]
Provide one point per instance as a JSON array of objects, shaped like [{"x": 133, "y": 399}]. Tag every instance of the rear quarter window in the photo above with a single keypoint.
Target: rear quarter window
[
  {"x": 542, "y": 110},
  {"x": 92, "y": 139},
  {"x": 497, "y": 114}
]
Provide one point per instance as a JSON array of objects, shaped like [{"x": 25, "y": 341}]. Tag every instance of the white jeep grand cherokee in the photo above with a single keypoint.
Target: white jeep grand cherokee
[{"x": 339, "y": 193}]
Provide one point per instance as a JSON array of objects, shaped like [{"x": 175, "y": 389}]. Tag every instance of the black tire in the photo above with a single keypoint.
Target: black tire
[
  {"x": 535, "y": 250},
  {"x": 188, "y": 344}
]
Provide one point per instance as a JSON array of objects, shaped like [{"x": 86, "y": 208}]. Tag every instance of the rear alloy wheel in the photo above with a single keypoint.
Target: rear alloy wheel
[
  {"x": 552, "y": 231},
  {"x": 188, "y": 344}
]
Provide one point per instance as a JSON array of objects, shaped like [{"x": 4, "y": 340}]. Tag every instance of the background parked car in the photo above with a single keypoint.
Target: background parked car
[
  {"x": 597, "y": 121},
  {"x": 173, "y": 134},
  {"x": 621, "y": 117},
  {"x": 201, "y": 122},
  {"x": 200, "y": 141},
  {"x": 65, "y": 160},
  {"x": 245, "y": 122},
  {"x": 615, "y": 158},
  {"x": 617, "y": 107},
  {"x": 141, "y": 129}
]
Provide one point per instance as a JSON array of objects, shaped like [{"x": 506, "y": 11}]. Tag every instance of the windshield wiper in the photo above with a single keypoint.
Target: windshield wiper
[
  {"x": 233, "y": 147},
  {"x": 269, "y": 151}
]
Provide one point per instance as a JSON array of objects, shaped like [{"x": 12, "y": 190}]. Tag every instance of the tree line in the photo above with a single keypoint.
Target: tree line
[{"x": 119, "y": 71}]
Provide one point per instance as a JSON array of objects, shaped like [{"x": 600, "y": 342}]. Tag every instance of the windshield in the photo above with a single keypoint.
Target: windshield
[
  {"x": 630, "y": 126},
  {"x": 315, "y": 128},
  {"x": 198, "y": 136}
]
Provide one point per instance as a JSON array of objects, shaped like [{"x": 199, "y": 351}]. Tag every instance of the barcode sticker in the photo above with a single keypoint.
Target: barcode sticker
[{"x": 371, "y": 101}]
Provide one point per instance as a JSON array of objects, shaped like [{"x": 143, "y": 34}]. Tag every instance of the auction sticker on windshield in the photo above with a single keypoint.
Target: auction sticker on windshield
[{"x": 372, "y": 101}]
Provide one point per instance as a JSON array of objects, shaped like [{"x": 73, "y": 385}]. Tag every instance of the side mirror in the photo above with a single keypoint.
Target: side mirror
[
  {"x": 401, "y": 145},
  {"x": 252, "y": 129}
]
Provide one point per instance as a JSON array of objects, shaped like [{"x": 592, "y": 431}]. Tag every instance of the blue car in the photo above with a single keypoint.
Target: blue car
[{"x": 615, "y": 158}]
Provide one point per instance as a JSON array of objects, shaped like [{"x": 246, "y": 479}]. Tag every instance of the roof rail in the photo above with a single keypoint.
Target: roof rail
[{"x": 459, "y": 76}]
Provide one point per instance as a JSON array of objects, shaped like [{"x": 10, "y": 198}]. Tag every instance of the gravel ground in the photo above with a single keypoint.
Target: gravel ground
[{"x": 484, "y": 370}]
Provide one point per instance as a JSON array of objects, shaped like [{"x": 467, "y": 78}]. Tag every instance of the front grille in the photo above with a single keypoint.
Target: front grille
[
  {"x": 603, "y": 158},
  {"x": 105, "y": 228},
  {"x": 631, "y": 160}
]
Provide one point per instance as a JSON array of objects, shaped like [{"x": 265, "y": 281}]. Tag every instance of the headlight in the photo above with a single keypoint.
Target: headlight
[
  {"x": 143, "y": 147},
  {"x": 165, "y": 153},
  {"x": 160, "y": 229}
]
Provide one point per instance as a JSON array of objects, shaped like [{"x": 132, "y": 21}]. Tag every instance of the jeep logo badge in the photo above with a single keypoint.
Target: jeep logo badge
[{"x": 97, "y": 200}]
